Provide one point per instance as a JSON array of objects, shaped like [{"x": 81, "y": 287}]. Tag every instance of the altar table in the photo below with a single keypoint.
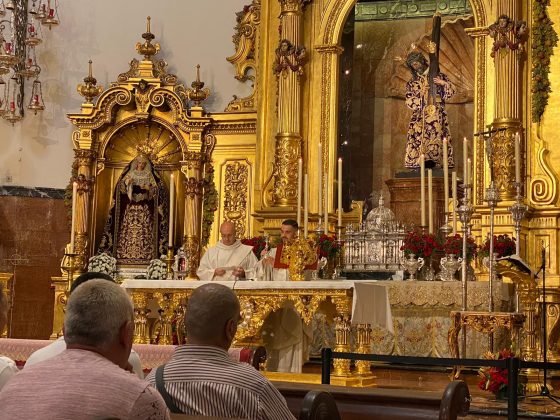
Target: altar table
[
  {"x": 363, "y": 304},
  {"x": 421, "y": 316}
]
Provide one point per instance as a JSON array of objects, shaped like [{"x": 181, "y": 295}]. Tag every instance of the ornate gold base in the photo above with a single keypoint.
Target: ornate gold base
[
  {"x": 534, "y": 382},
  {"x": 313, "y": 378}
]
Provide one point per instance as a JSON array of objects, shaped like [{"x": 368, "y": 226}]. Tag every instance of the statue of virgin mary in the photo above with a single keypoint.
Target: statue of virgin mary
[{"x": 137, "y": 225}]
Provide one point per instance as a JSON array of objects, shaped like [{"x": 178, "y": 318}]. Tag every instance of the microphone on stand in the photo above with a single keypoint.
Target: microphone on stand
[{"x": 492, "y": 131}]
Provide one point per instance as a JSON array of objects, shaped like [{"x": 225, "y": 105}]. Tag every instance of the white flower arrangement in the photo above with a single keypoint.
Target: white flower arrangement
[
  {"x": 103, "y": 263},
  {"x": 157, "y": 269}
]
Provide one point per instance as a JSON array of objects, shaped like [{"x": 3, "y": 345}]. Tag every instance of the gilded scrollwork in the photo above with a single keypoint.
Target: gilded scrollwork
[
  {"x": 285, "y": 177},
  {"x": 544, "y": 184},
  {"x": 484, "y": 322},
  {"x": 245, "y": 40},
  {"x": 503, "y": 155},
  {"x": 235, "y": 193}
]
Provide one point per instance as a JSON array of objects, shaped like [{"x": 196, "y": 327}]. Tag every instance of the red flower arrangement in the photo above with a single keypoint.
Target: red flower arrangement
[
  {"x": 495, "y": 379},
  {"x": 503, "y": 246},
  {"x": 454, "y": 245},
  {"x": 257, "y": 242},
  {"x": 420, "y": 244},
  {"x": 327, "y": 246}
]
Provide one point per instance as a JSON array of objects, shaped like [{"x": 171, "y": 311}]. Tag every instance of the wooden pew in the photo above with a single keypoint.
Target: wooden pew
[
  {"x": 385, "y": 404},
  {"x": 316, "y": 405}
]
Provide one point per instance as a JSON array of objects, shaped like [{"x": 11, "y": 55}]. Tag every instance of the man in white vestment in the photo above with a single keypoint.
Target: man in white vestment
[
  {"x": 229, "y": 259},
  {"x": 285, "y": 336}
]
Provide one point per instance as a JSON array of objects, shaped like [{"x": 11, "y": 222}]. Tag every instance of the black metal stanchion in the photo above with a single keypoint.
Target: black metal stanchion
[
  {"x": 513, "y": 377},
  {"x": 326, "y": 359}
]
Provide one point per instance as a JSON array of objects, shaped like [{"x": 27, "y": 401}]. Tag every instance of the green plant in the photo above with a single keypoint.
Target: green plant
[
  {"x": 209, "y": 203},
  {"x": 545, "y": 39}
]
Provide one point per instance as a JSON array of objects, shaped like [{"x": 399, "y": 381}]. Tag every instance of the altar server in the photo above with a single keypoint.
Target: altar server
[
  {"x": 285, "y": 336},
  {"x": 229, "y": 259}
]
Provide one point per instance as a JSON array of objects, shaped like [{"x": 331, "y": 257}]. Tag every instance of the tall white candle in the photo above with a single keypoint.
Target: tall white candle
[
  {"x": 469, "y": 177},
  {"x": 517, "y": 158},
  {"x": 171, "y": 208},
  {"x": 299, "y": 181},
  {"x": 430, "y": 204},
  {"x": 326, "y": 212},
  {"x": 73, "y": 228},
  {"x": 305, "y": 204},
  {"x": 339, "y": 191},
  {"x": 320, "y": 179},
  {"x": 465, "y": 157},
  {"x": 445, "y": 178},
  {"x": 454, "y": 200},
  {"x": 422, "y": 191}
]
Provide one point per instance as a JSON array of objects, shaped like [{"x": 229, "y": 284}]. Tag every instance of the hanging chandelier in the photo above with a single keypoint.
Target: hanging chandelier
[{"x": 21, "y": 23}]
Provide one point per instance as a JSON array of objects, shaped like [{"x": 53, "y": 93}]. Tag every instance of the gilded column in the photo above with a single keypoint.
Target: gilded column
[
  {"x": 193, "y": 170},
  {"x": 288, "y": 67},
  {"x": 6, "y": 287},
  {"x": 84, "y": 159},
  {"x": 509, "y": 36},
  {"x": 193, "y": 185}
]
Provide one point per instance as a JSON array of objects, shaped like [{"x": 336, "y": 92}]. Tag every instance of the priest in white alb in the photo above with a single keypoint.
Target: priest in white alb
[{"x": 229, "y": 259}]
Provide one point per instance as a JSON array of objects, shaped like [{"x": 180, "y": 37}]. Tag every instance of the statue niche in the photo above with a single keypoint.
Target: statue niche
[{"x": 137, "y": 226}]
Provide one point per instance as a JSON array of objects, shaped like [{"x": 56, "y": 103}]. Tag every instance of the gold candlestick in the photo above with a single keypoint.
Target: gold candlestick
[{"x": 169, "y": 262}]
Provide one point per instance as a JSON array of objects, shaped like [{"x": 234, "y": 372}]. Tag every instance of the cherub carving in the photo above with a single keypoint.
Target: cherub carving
[
  {"x": 508, "y": 34},
  {"x": 288, "y": 56}
]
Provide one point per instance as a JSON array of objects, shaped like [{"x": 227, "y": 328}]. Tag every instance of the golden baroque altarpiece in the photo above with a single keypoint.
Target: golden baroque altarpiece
[{"x": 295, "y": 75}]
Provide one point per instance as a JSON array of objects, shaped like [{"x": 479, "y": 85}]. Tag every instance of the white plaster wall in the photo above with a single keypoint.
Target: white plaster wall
[{"x": 37, "y": 151}]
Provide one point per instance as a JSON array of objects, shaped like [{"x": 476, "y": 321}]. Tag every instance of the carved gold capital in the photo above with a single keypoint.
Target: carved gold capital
[
  {"x": 84, "y": 156},
  {"x": 292, "y": 6}
]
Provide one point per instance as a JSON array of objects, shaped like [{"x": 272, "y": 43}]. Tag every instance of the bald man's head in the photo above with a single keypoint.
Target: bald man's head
[
  {"x": 212, "y": 316},
  {"x": 227, "y": 232}
]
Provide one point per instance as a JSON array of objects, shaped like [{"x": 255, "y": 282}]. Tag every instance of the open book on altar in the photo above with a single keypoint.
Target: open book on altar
[{"x": 520, "y": 263}]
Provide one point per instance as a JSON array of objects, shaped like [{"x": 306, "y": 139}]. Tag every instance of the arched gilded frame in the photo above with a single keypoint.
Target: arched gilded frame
[{"x": 328, "y": 46}]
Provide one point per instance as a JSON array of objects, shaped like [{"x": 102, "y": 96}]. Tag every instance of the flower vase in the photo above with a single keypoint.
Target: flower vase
[
  {"x": 428, "y": 273},
  {"x": 449, "y": 266},
  {"x": 412, "y": 265},
  {"x": 502, "y": 394},
  {"x": 486, "y": 263},
  {"x": 328, "y": 269}
]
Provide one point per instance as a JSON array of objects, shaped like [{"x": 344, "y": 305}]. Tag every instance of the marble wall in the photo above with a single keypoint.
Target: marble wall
[{"x": 33, "y": 233}]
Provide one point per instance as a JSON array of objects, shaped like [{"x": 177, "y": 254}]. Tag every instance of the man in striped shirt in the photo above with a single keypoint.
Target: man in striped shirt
[{"x": 201, "y": 379}]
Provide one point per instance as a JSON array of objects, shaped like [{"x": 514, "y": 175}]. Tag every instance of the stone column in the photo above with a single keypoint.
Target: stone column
[
  {"x": 84, "y": 160},
  {"x": 508, "y": 54},
  {"x": 288, "y": 68}
]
